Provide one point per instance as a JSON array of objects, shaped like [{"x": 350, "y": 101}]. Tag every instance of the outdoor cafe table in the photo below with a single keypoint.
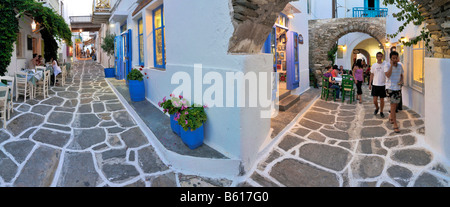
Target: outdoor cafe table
[{"x": 2, "y": 93}]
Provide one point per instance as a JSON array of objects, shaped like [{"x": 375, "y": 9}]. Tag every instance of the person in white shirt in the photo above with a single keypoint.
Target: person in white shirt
[
  {"x": 377, "y": 84},
  {"x": 56, "y": 70},
  {"x": 394, "y": 82}
]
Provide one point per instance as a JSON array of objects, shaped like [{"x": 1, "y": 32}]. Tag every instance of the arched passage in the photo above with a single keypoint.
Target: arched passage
[{"x": 324, "y": 33}]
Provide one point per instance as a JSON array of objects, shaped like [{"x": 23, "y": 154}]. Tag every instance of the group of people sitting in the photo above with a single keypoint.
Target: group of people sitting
[{"x": 39, "y": 61}]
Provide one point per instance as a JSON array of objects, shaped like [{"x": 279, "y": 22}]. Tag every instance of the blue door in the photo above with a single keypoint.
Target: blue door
[
  {"x": 124, "y": 55},
  {"x": 129, "y": 54},
  {"x": 119, "y": 57},
  {"x": 292, "y": 61}
]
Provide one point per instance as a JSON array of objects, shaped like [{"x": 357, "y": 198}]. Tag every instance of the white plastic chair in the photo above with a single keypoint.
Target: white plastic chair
[
  {"x": 62, "y": 76},
  {"x": 23, "y": 87},
  {"x": 9, "y": 79},
  {"x": 43, "y": 85},
  {"x": 4, "y": 90}
]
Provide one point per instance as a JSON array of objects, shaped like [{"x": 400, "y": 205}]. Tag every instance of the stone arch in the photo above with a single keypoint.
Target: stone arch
[
  {"x": 366, "y": 54},
  {"x": 324, "y": 33},
  {"x": 253, "y": 21}
]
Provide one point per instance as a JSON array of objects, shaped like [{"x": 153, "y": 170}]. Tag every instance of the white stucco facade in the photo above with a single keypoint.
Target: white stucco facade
[{"x": 198, "y": 32}]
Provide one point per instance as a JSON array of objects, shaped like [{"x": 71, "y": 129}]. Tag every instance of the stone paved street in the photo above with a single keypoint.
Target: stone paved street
[
  {"x": 342, "y": 144},
  {"x": 82, "y": 136}
]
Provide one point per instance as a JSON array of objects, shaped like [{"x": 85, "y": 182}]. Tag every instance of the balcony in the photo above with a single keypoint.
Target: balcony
[
  {"x": 369, "y": 12},
  {"x": 101, "y": 11},
  {"x": 84, "y": 23}
]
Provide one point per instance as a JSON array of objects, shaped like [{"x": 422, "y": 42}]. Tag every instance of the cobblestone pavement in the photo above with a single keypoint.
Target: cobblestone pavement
[
  {"x": 82, "y": 136},
  {"x": 342, "y": 144}
]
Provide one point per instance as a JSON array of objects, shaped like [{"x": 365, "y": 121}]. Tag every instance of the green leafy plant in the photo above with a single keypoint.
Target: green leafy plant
[
  {"x": 135, "y": 74},
  {"x": 192, "y": 118},
  {"x": 54, "y": 28},
  {"x": 409, "y": 13},
  {"x": 108, "y": 46},
  {"x": 332, "y": 54}
]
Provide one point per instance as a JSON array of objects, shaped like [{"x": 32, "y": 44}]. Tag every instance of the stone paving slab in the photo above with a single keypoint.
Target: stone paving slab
[{"x": 82, "y": 136}]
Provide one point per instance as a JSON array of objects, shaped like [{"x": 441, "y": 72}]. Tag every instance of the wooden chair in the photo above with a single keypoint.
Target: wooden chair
[
  {"x": 326, "y": 90},
  {"x": 43, "y": 85},
  {"x": 4, "y": 106},
  {"x": 61, "y": 78},
  {"x": 23, "y": 87},
  {"x": 348, "y": 89},
  {"x": 11, "y": 85}
]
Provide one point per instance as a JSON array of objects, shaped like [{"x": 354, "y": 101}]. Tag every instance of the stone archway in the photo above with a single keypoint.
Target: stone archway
[
  {"x": 324, "y": 33},
  {"x": 253, "y": 21}
]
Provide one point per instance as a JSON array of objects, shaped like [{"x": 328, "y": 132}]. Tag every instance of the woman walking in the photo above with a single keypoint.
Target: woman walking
[{"x": 358, "y": 75}]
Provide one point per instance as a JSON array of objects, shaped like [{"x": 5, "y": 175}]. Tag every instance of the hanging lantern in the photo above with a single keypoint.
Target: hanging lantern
[{"x": 33, "y": 25}]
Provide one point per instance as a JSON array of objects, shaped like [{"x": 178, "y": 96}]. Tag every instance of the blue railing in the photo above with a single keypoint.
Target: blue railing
[{"x": 369, "y": 12}]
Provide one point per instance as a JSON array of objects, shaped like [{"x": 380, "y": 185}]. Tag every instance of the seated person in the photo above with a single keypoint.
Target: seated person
[
  {"x": 341, "y": 70},
  {"x": 332, "y": 82},
  {"x": 33, "y": 62},
  {"x": 56, "y": 70},
  {"x": 40, "y": 61},
  {"x": 335, "y": 71}
]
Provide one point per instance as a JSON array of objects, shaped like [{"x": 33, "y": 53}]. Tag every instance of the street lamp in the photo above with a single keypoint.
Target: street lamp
[{"x": 33, "y": 25}]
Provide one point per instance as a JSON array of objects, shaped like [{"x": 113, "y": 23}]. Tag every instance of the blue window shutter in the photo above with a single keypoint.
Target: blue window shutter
[{"x": 292, "y": 61}]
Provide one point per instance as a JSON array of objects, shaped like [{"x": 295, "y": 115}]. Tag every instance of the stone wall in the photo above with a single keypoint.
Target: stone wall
[
  {"x": 324, "y": 33},
  {"x": 437, "y": 15},
  {"x": 253, "y": 20}
]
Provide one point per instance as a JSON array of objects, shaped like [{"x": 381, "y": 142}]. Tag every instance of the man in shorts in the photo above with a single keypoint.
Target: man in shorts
[
  {"x": 377, "y": 84},
  {"x": 394, "y": 80}
]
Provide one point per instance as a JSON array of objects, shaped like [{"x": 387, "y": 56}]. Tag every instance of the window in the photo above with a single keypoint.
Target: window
[
  {"x": 308, "y": 3},
  {"x": 340, "y": 52},
  {"x": 141, "y": 41},
  {"x": 159, "y": 45},
  {"x": 123, "y": 28},
  {"x": 418, "y": 55}
]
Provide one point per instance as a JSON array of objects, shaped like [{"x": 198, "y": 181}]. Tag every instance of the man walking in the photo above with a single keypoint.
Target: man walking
[
  {"x": 394, "y": 80},
  {"x": 378, "y": 79}
]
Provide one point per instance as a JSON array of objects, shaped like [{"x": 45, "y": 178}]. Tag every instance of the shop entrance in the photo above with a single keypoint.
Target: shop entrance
[{"x": 283, "y": 44}]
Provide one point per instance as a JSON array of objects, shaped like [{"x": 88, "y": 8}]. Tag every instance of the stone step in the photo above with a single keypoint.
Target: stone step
[
  {"x": 288, "y": 102},
  {"x": 284, "y": 94}
]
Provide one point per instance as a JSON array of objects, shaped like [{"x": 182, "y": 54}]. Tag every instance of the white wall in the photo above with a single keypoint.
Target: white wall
[
  {"x": 437, "y": 112},
  {"x": 203, "y": 39},
  {"x": 22, "y": 62},
  {"x": 299, "y": 24}
]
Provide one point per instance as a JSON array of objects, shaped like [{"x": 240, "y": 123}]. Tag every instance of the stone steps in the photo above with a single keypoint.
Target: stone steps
[{"x": 287, "y": 102}]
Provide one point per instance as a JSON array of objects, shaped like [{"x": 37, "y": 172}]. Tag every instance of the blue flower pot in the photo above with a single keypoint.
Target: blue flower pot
[
  {"x": 176, "y": 128},
  {"x": 110, "y": 73},
  {"x": 193, "y": 139},
  {"x": 137, "y": 90}
]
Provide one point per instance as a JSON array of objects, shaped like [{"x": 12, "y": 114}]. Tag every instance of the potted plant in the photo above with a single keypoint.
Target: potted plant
[
  {"x": 136, "y": 85},
  {"x": 173, "y": 107},
  {"x": 191, "y": 121},
  {"x": 108, "y": 47}
]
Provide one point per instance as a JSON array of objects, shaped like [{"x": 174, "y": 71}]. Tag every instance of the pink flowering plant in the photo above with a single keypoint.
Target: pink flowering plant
[
  {"x": 193, "y": 117},
  {"x": 174, "y": 105}
]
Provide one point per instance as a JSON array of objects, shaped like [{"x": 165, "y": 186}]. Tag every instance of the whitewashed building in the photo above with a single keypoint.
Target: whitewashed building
[
  {"x": 30, "y": 42},
  {"x": 171, "y": 38}
]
